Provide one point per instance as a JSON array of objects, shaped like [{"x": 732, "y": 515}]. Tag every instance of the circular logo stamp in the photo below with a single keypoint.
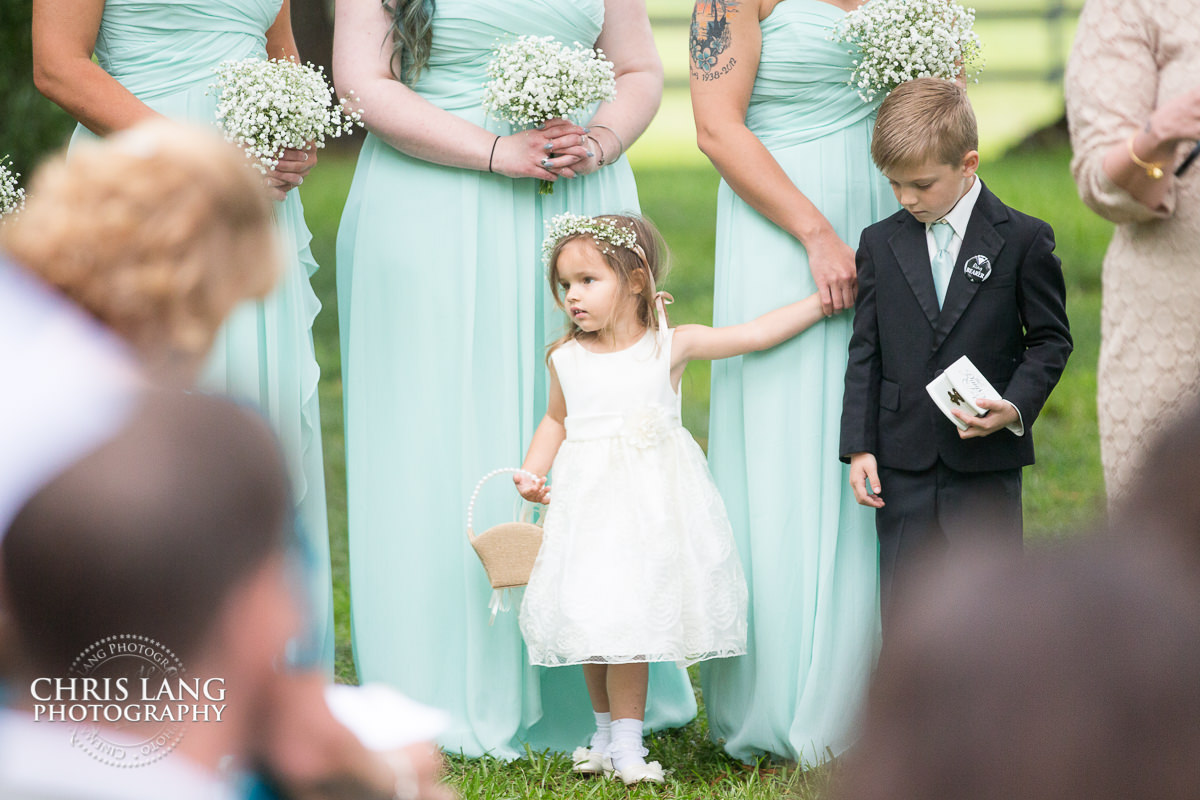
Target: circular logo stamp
[{"x": 121, "y": 697}]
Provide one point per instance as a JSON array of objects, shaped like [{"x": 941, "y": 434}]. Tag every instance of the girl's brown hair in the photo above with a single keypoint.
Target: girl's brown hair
[{"x": 632, "y": 265}]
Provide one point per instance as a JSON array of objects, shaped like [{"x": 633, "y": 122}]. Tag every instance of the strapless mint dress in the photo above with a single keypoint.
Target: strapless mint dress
[
  {"x": 165, "y": 53},
  {"x": 445, "y": 313},
  {"x": 809, "y": 551}
]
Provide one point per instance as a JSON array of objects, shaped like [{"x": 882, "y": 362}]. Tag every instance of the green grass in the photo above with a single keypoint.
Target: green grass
[
  {"x": 695, "y": 768},
  {"x": 1063, "y": 491}
]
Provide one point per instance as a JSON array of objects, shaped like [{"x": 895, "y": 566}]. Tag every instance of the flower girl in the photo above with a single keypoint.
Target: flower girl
[{"x": 638, "y": 562}]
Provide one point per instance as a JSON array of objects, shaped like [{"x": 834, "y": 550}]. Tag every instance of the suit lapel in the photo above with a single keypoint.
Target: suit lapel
[
  {"x": 982, "y": 239},
  {"x": 912, "y": 252}
]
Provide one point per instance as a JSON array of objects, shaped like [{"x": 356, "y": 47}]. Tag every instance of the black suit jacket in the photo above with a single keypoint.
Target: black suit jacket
[{"x": 1013, "y": 327}]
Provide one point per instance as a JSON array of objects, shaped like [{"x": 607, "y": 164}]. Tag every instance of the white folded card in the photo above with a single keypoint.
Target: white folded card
[
  {"x": 382, "y": 718},
  {"x": 961, "y": 386}
]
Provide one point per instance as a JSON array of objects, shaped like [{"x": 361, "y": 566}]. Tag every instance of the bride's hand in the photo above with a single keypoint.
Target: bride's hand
[
  {"x": 832, "y": 263},
  {"x": 547, "y": 152}
]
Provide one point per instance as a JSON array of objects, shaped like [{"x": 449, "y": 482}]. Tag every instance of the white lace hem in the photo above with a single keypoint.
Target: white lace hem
[{"x": 547, "y": 659}]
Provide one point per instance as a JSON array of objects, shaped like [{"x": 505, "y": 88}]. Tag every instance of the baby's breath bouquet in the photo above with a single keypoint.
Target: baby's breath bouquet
[
  {"x": 268, "y": 106},
  {"x": 535, "y": 79},
  {"x": 12, "y": 196},
  {"x": 899, "y": 40}
]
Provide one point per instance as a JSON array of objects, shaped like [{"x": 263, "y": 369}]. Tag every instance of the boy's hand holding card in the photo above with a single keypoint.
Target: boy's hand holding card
[{"x": 963, "y": 388}]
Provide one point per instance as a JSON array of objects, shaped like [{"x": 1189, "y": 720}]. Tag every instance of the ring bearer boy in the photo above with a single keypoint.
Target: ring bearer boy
[{"x": 955, "y": 272}]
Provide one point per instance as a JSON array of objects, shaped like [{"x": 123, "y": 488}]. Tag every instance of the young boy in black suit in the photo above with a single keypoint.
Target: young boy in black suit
[{"x": 956, "y": 272}]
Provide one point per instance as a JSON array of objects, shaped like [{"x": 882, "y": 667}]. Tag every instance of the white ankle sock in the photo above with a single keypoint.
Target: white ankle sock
[
  {"x": 626, "y": 749},
  {"x": 603, "y": 734}
]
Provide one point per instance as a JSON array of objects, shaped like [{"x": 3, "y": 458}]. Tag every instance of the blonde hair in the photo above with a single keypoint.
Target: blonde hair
[
  {"x": 923, "y": 119},
  {"x": 631, "y": 265},
  {"x": 157, "y": 231}
]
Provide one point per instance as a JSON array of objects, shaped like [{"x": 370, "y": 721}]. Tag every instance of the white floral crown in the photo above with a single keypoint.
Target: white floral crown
[{"x": 603, "y": 231}]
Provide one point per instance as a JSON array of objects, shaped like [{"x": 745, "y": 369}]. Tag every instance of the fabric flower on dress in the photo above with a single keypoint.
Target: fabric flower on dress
[{"x": 647, "y": 426}]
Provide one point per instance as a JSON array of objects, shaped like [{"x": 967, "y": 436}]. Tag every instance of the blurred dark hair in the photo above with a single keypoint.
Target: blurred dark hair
[
  {"x": 1165, "y": 499},
  {"x": 1068, "y": 674},
  {"x": 149, "y": 533}
]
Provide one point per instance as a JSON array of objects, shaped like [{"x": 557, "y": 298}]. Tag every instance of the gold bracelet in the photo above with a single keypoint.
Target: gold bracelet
[{"x": 1153, "y": 170}]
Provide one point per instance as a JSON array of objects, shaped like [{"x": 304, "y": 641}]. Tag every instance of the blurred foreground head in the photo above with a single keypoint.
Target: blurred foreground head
[
  {"x": 158, "y": 231},
  {"x": 1061, "y": 675},
  {"x": 157, "y": 533},
  {"x": 1165, "y": 500}
]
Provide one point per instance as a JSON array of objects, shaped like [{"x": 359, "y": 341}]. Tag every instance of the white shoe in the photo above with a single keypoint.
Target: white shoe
[
  {"x": 637, "y": 773},
  {"x": 585, "y": 761}
]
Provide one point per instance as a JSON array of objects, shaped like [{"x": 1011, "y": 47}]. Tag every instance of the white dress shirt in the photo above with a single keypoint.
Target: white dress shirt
[{"x": 958, "y": 217}]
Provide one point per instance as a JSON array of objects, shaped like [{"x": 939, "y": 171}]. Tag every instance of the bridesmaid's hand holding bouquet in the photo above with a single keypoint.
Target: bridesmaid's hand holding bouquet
[
  {"x": 900, "y": 40},
  {"x": 270, "y": 107},
  {"x": 12, "y": 196},
  {"x": 536, "y": 80}
]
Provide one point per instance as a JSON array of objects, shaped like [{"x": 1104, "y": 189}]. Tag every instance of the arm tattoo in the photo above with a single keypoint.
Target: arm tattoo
[{"x": 710, "y": 38}]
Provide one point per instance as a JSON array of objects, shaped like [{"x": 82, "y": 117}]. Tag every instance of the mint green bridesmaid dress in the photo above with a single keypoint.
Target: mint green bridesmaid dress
[
  {"x": 445, "y": 313},
  {"x": 809, "y": 550},
  {"x": 164, "y": 52}
]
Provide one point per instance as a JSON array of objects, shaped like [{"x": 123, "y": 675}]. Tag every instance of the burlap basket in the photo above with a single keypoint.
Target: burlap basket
[{"x": 509, "y": 549}]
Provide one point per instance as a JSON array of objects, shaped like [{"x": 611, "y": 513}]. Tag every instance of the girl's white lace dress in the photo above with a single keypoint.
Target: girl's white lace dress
[{"x": 638, "y": 561}]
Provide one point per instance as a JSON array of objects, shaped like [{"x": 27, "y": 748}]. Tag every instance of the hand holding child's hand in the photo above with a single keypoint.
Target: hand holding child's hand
[
  {"x": 532, "y": 489},
  {"x": 1001, "y": 414},
  {"x": 865, "y": 470}
]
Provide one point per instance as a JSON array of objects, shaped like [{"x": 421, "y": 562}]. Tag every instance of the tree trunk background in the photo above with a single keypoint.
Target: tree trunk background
[{"x": 312, "y": 23}]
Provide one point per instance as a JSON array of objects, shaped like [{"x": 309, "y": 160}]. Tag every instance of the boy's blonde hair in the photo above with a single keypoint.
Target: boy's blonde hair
[
  {"x": 923, "y": 119},
  {"x": 157, "y": 231},
  {"x": 629, "y": 263}
]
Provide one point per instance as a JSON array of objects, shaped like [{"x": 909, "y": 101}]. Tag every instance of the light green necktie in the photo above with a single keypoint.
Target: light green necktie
[{"x": 943, "y": 264}]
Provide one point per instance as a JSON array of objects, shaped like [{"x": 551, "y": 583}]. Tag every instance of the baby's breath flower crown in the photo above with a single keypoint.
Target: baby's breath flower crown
[
  {"x": 603, "y": 231},
  {"x": 900, "y": 40},
  {"x": 12, "y": 196},
  {"x": 268, "y": 106}
]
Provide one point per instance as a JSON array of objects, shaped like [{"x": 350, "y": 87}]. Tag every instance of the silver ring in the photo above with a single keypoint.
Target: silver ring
[{"x": 546, "y": 163}]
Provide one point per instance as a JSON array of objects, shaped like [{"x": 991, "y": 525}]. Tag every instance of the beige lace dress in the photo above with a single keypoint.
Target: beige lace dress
[{"x": 1129, "y": 57}]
